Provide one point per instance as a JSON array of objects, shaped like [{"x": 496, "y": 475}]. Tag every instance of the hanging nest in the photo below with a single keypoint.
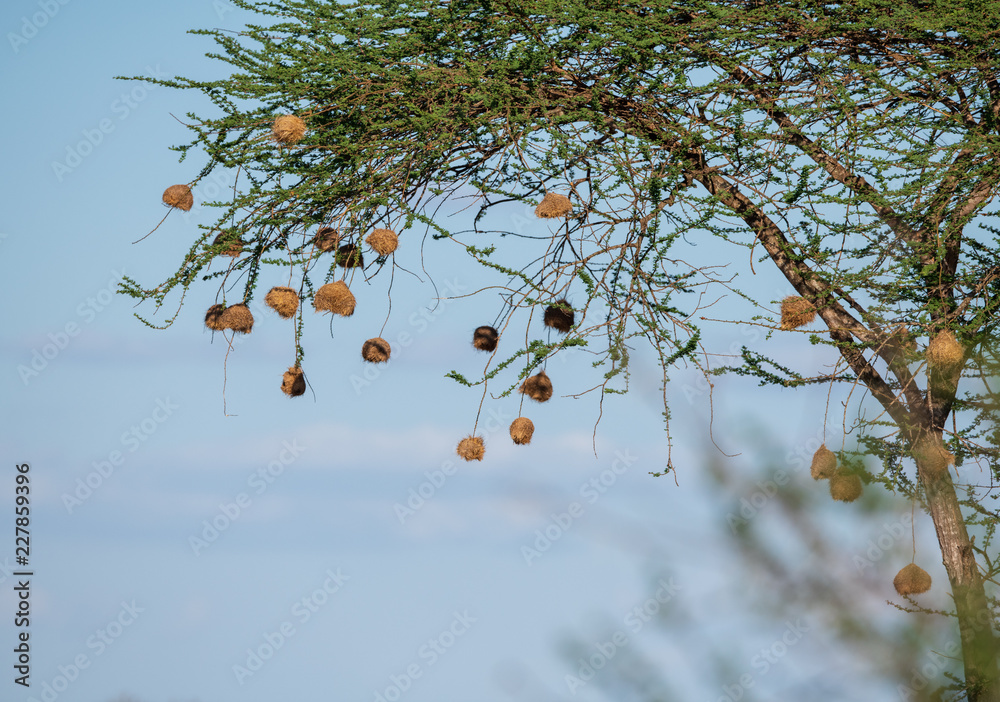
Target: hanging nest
[
  {"x": 376, "y": 350},
  {"x": 931, "y": 456},
  {"x": 238, "y": 318},
  {"x": 178, "y": 196},
  {"x": 912, "y": 580},
  {"x": 327, "y": 239},
  {"x": 336, "y": 298},
  {"x": 213, "y": 318},
  {"x": 288, "y": 129},
  {"x": 521, "y": 430},
  {"x": 553, "y": 205},
  {"x": 824, "y": 463},
  {"x": 471, "y": 448},
  {"x": 559, "y": 316},
  {"x": 485, "y": 338},
  {"x": 349, "y": 256},
  {"x": 233, "y": 244},
  {"x": 796, "y": 312},
  {"x": 845, "y": 487},
  {"x": 293, "y": 383},
  {"x": 944, "y": 352},
  {"x": 538, "y": 387},
  {"x": 383, "y": 241},
  {"x": 284, "y": 301}
]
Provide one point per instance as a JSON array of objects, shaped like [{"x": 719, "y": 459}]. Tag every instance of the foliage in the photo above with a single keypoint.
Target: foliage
[{"x": 855, "y": 145}]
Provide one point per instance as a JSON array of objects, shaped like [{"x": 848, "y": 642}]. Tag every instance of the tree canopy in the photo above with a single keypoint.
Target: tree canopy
[{"x": 854, "y": 146}]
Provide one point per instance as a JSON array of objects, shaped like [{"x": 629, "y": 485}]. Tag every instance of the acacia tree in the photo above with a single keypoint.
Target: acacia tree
[{"x": 853, "y": 145}]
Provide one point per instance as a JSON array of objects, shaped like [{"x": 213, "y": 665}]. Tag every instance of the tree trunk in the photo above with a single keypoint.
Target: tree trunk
[{"x": 975, "y": 620}]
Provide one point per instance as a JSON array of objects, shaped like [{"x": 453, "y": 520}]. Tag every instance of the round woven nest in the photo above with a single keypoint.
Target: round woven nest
[
  {"x": 284, "y": 301},
  {"x": 376, "y": 350},
  {"x": 796, "y": 312},
  {"x": 349, "y": 256},
  {"x": 485, "y": 338},
  {"x": 824, "y": 463},
  {"x": 521, "y": 430},
  {"x": 238, "y": 318},
  {"x": 293, "y": 382},
  {"x": 471, "y": 448},
  {"x": 559, "y": 316},
  {"x": 912, "y": 580},
  {"x": 335, "y": 297},
  {"x": 538, "y": 387},
  {"x": 178, "y": 196},
  {"x": 383, "y": 241},
  {"x": 845, "y": 487},
  {"x": 288, "y": 129},
  {"x": 553, "y": 205}
]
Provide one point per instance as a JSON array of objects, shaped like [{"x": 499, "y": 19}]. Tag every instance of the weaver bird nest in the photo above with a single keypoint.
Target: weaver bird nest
[
  {"x": 521, "y": 430},
  {"x": 912, "y": 580},
  {"x": 471, "y": 448},
  {"x": 824, "y": 463},
  {"x": 288, "y": 129},
  {"x": 485, "y": 338},
  {"x": 178, "y": 196},
  {"x": 336, "y": 298},
  {"x": 796, "y": 312},
  {"x": 553, "y": 205},
  {"x": 284, "y": 301},
  {"x": 293, "y": 383}
]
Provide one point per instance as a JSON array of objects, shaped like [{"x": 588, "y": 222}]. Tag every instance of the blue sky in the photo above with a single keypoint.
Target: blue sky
[{"x": 310, "y": 554}]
